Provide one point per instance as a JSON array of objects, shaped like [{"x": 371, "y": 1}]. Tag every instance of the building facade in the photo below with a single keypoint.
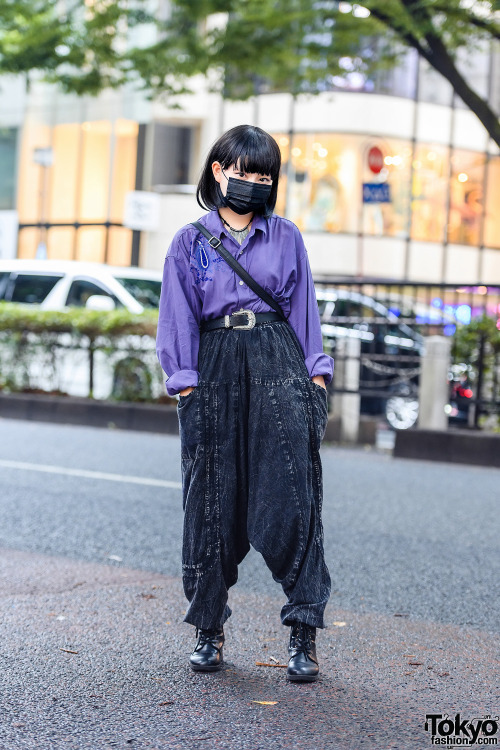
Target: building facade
[{"x": 388, "y": 179}]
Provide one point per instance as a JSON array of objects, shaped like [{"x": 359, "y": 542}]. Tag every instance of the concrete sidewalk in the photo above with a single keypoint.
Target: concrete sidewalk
[{"x": 95, "y": 656}]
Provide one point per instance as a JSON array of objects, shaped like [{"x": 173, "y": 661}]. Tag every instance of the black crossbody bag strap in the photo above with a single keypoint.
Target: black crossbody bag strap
[{"x": 249, "y": 280}]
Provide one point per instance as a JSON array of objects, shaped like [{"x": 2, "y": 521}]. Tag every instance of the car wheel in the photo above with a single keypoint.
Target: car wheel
[{"x": 401, "y": 412}]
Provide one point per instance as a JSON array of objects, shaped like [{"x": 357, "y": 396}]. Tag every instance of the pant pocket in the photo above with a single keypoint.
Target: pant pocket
[
  {"x": 189, "y": 416},
  {"x": 319, "y": 399}
]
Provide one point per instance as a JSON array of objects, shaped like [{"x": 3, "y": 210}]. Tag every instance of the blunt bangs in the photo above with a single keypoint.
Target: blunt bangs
[{"x": 251, "y": 149}]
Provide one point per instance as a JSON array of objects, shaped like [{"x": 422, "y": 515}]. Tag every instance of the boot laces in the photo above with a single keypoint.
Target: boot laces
[
  {"x": 301, "y": 640},
  {"x": 207, "y": 636}
]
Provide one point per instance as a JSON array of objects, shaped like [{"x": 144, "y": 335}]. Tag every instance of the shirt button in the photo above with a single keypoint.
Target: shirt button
[{"x": 241, "y": 283}]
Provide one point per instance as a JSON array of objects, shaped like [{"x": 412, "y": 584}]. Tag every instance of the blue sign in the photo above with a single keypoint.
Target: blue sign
[{"x": 376, "y": 192}]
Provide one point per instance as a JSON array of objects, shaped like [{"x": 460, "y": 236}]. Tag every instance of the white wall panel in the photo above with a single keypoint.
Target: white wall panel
[
  {"x": 490, "y": 273},
  {"x": 462, "y": 262},
  {"x": 383, "y": 257},
  {"x": 433, "y": 123},
  {"x": 355, "y": 113},
  {"x": 468, "y": 132},
  {"x": 332, "y": 253},
  {"x": 425, "y": 261}
]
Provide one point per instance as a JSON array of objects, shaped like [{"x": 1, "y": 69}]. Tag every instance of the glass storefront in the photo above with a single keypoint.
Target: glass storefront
[
  {"x": 492, "y": 214},
  {"x": 426, "y": 193},
  {"x": 429, "y": 201},
  {"x": 93, "y": 167},
  {"x": 466, "y": 197},
  {"x": 323, "y": 183}
]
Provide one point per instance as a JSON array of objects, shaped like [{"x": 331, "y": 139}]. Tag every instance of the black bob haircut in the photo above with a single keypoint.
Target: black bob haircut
[{"x": 252, "y": 150}]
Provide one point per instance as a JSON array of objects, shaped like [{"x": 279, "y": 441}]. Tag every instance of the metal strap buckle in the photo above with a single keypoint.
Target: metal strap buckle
[
  {"x": 214, "y": 242},
  {"x": 250, "y": 323}
]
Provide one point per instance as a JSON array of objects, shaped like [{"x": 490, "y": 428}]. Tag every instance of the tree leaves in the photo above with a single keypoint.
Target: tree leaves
[{"x": 244, "y": 48}]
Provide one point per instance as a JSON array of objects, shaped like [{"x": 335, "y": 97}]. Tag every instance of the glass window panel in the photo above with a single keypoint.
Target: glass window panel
[
  {"x": 27, "y": 242},
  {"x": 466, "y": 197},
  {"x": 492, "y": 218},
  {"x": 66, "y": 142},
  {"x": 81, "y": 289},
  {"x": 33, "y": 288},
  {"x": 283, "y": 141},
  {"x": 95, "y": 171},
  {"x": 145, "y": 291},
  {"x": 323, "y": 194},
  {"x": 4, "y": 278},
  {"x": 391, "y": 218},
  {"x": 31, "y": 175},
  {"x": 90, "y": 243},
  {"x": 433, "y": 87},
  {"x": 172, "y": 150},
  {"x": 61, "y": 243},
  {"x": 124, "y": 165},
  {"x": 429, "y": 192},
  {"x": 326, "y": 175},
  {"x": 119, "y": 246}
]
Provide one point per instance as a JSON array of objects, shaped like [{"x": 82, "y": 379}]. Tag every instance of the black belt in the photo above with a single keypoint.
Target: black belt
[{"x": 243, "y": 319}]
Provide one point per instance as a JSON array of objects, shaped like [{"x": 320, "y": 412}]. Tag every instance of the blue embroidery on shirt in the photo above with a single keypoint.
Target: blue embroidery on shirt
[{"x": 204, "y": 260}]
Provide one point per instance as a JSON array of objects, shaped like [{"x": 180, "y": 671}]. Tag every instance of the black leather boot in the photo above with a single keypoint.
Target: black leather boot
[
  {"x": 207, "y": 655},
  {"x": 303, "y": 664}
]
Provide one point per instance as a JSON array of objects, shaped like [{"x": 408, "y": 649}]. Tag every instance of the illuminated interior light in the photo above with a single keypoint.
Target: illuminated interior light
[
  {"x": 322, "y": 152},
  {"x": 431, "y": 155},
  {"x": 284, "y": 141},
  {"x": 482, "y": 290},
  {"x": 462, "y": 177},
  {"x": 397, "y": 160},
  {"x": 296, "y": 151},
  {"x": 388, "y": 160},
  {"x": 345, "y": 7}
]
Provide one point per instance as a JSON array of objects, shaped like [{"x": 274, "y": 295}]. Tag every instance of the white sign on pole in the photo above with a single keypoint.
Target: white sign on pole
[
  {"x": 43, "y": 156},
  {"x": 142, "y": 211},
  {"x": 9, "y": 224}
]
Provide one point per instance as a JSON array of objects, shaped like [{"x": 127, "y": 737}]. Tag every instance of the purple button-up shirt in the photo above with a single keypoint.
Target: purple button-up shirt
[{"x": 198, "y": 284}]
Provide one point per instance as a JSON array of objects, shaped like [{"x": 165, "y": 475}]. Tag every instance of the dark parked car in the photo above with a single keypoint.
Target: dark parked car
[{"x": 390, "y": 352}]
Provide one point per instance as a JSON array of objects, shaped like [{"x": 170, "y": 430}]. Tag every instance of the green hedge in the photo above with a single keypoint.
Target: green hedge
[
  {"x": 29, "y": 334},
  {"x": 78, "y": 321}
]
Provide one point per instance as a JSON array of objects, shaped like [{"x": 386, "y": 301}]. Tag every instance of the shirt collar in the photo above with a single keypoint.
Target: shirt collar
[{"x": 214, "y": 224}]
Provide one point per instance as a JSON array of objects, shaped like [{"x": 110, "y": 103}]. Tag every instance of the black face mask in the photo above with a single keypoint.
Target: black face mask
[{"x": 244, "y": 197}]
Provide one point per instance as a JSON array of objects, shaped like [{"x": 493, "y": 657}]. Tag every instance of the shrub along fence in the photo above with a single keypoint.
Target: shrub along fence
[
  {"x": 111, "y": 355},
  {"x": 80, "y": 352}
]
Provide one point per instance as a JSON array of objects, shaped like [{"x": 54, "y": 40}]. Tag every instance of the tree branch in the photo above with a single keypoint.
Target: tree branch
[{"x": 439, "y": 58}]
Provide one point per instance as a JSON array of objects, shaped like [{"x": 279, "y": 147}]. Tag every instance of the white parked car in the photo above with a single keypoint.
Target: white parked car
[{"x": 60, "y": 285}]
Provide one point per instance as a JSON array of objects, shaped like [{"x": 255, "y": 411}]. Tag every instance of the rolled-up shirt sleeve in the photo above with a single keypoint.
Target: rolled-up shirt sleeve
[
  {"x": 178, "y": 335},
  {"x": 304, "y": 317}
]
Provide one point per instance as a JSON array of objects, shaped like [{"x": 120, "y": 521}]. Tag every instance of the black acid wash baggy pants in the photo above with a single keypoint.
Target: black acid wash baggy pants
[{"x": 251, "y": 472}]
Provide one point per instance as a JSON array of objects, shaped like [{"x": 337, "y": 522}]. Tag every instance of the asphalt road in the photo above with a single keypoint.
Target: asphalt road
[{"x": 90, "y": 529}]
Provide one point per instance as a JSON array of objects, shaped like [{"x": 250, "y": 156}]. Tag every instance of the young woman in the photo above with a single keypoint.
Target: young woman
[{"x": 252, "y": 400}]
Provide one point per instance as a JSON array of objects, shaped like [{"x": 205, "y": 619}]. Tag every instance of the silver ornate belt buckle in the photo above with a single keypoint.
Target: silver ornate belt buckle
[{"x": 245, "y": 326}]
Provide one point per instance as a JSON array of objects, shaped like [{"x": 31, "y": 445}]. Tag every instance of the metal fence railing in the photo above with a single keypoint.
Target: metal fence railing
[{"x": 391, "y": 320}]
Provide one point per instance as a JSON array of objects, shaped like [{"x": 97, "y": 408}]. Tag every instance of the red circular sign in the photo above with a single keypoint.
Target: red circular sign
[{"x": 375, "y": 159}]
